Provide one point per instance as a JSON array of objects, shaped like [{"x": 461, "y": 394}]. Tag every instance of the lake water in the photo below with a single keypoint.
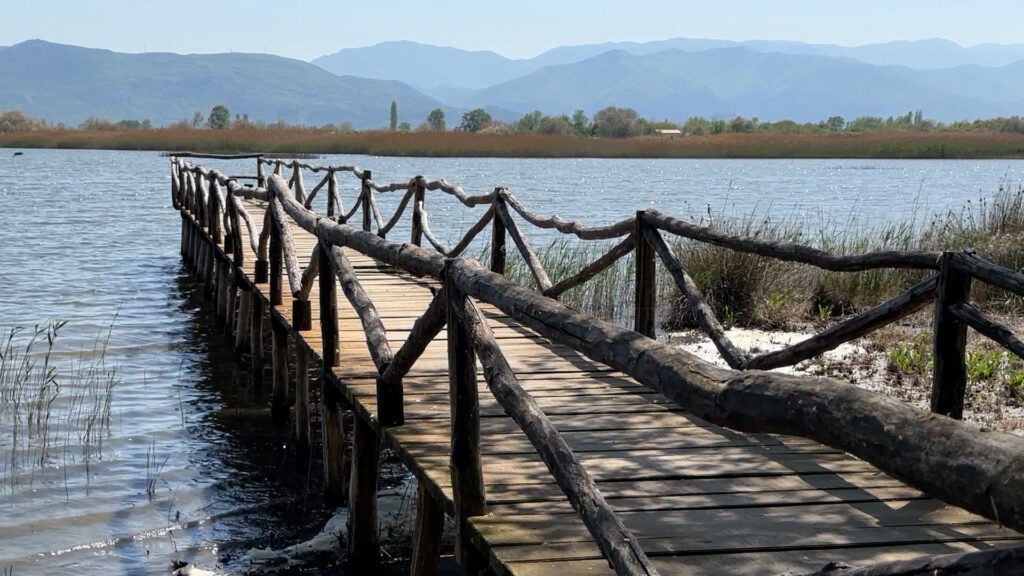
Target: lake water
[{"x": 190, "y": 466}]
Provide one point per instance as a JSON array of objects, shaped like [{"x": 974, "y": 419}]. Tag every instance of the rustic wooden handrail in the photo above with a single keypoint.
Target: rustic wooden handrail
[
  {"x": 424, "y": 229},
  {"x": 701, "y": 310},
  {"x": 983, "y": 473},
  {"x": 426, "y": 327},
  {"x": 574, "y": 227},
  {"x": 793, "y": 252},
  {"x": 472, "y": 233},
  {"x": 529, "y": 256},
  {"x": 594, "y": 268},
  {"x": 312, "y": 193},
  {"x": 614, "y": 539},
  {"x": 896, "y": 308},
  {"x": 985, "y": 325},
  {"x": 284, "y": 234}
]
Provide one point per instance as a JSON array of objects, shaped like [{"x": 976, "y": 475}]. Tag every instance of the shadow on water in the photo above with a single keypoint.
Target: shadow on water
[{"x": 264, "y": 495}]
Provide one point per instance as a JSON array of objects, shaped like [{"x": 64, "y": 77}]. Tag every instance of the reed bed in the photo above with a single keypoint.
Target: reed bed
[
  {"x": 299, "y": 140},
  {"x": 51, "y": 411}
]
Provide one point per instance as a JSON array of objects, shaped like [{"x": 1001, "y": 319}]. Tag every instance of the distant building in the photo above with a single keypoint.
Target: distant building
[{"x": 669, "y": 131}]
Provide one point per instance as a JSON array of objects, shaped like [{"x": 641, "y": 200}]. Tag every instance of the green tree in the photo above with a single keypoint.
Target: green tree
[
  {"x": 219, "y": 118},
  {"x": 615, "y": 122},
  {"x": 835, "y": 123},
  {"x": 696, "y": 125},
  {"x": 394, "y": 116},
  {"x": 475, "y": 120},
  {"x": 581, "y": 124},
  {"x": 435, "y": 120},
  {"x": 404, "y": 127},
  {"x": 554, "y": 125},
  {"x": 528, "y": 123}
]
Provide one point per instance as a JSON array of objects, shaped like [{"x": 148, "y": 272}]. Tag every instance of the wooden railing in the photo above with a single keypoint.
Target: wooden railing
[{"x": 981, "y": 472}]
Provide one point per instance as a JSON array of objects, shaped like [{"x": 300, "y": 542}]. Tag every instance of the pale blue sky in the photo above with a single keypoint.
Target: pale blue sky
[{"x": 307, "y": 29}]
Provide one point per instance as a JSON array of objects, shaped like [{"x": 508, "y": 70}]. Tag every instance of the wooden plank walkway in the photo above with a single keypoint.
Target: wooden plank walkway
[{"x": 700, "y": 498}]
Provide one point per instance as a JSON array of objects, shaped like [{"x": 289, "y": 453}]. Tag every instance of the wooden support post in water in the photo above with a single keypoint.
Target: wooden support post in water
[
  {"x": 419, "y": 195},
  {"x": 333, "y": 432},
  {"x": 466, "y": 464},
  {"x": 222, "y": 290},
  {"x": 426, "y": 544},
  {"x": 244, "y": 318},
  {"x": 363, "y": 543},
  {"x": 645, "y": 302},
  {"x": 949, "y": 357},
  {"x": 498, "y": 239},
  {"x": 366, "y": 192},
  {"x": 256, "y": 341},
  {"x": 301, "y": 399},
  {"x": 232, "y": 298},
  {"x": 279, "y": 364},
  {"x": 333, "y": 435}
]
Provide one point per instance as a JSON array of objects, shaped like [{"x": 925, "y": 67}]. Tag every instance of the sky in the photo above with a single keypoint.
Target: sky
[{"x": 306, "y": 29}]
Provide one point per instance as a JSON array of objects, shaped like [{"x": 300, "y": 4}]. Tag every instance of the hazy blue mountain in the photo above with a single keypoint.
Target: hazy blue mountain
[
  {"x": 67, "y": 83},
  {"x": 427, "y": 67},
  {"x": 448, "y": 73},
  {"x": 676, "y": 84}
]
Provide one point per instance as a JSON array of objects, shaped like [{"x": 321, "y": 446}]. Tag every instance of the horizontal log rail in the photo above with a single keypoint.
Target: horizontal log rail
[
  {"x": 950, "y": 460},
  {"x": 793, "y": 252}
]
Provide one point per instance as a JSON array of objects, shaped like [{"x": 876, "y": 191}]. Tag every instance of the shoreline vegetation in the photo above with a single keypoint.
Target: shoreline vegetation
[
  {"x": 895, "y": 144},
  {"x": 611, "y": 133}
]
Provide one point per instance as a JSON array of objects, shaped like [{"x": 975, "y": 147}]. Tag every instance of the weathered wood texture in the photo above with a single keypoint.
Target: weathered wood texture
[
  {"x": 949, "y": 342},
  {"x": 900, "y": 306},
  {"x": 776, "y": 503},
  {"x": 466, "y": 464},
  {"x": 529, "y": 256},
  {"x": 646, "y": 291},
  {"x": 617, "y": 543},
  {"x": 706, "y": 318}
]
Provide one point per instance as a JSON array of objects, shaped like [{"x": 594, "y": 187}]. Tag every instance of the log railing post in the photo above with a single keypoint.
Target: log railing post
[
  {"x": 276, "y": 260},
  {"x": 949, "y": 356},
  {"x": 366, "y": 191},
  {"x": 298, "y": 188},
  {"x": 302, "y": 314},
  {"x": 333, "y": 433},
  {"x": 645, "y": 302},
  {"x": 332, "y": 191},
  {"x": 363, "y": 542},
  {"x": 498, "y": 238},
  {"x": 426, "y": 545},
  {"x": 256, "y": 340},
  {"x": 419, "y": 195},
  {"x": 244, "y": 318},
  {"x": 261, "y": 179},
  {"x": 466, "y": 465},
  {"x": 302, "y": 436},
  {"x": 279, "y": 367}
]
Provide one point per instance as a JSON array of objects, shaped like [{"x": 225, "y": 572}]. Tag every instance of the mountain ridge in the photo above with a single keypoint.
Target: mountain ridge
[{"x": 66, "y": 84}]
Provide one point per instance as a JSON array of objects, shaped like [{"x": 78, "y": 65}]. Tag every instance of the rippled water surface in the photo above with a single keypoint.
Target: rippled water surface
[{"x": 190, "y": 466}]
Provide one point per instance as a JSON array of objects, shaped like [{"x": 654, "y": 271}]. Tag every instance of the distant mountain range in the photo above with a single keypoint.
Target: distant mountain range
[
  {"x": 671, "y": 79},
  {"x": 68, "y": 83}
]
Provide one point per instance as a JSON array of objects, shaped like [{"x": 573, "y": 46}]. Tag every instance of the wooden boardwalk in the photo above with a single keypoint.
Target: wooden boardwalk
[{"x": 701, "y": 499}]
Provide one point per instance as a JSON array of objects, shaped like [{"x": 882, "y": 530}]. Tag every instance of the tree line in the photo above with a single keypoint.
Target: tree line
[{"x": 609, "y": 122}]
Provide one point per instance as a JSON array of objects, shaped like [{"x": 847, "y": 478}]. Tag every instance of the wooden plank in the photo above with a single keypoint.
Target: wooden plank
[{"x": 775, "y": 503}]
